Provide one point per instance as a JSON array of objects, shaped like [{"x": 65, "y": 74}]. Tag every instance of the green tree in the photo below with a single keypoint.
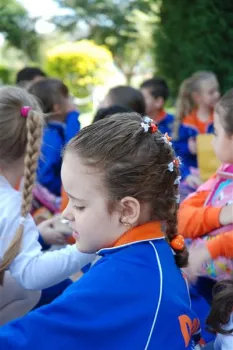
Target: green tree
[
  {"x": 194, "y": 36},
  {"x": 81, "y": 65},
  {"x": 122, "y": 26},
  {"x": 18, "y": 29}
]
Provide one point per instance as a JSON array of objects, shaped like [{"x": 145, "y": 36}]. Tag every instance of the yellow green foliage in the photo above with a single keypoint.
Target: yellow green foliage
[{"x": 81, "y": 65}]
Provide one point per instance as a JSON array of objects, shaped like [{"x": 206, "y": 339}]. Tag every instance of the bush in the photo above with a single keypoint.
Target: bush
[
  {"x": 195, "y": 36},
  {"x": 6, "y": 75},
  {"x": 81, "y": 65}
]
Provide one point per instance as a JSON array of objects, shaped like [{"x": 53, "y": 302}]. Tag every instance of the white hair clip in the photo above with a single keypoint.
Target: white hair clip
[
  {"x": 145, "y": 127},
  {"x": 177, "y": 180},
  {"x": 171, "y": 166},
  {"x": 147, "y": 120},
  {"x": 167, "y": 139},
  {"x": 177, "y": 198}
]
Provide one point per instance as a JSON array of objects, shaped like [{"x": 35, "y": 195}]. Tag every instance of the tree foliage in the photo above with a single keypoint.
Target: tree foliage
[
  {"x": 81, "y": 65},
  {"x": 17, "y": 28},
  {"x": 195, "y": 36},
  {"x": 122, "y": 26}
]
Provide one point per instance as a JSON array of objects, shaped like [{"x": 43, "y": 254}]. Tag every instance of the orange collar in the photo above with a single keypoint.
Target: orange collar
[
  {"x": 160, "y": 116},
  {"x": 192, "y": 120},
  {"x": 146, "y": 232}
]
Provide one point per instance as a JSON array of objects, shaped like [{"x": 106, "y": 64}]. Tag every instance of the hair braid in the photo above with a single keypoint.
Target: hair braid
[
  {"x": 181, "y": 257},
  {"x": 34, "y": 132}
]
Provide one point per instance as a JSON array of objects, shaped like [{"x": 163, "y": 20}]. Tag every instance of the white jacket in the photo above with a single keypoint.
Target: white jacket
[{"x": 31, "y": 268}]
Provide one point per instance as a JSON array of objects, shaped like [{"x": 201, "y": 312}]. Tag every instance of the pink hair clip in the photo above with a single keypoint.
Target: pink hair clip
[{"x": 24, "y": 111}]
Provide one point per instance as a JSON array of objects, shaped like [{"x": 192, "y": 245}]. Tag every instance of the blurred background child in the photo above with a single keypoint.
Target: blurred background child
[
  {"x": 194, "y": 115},
  {"x": 62, "y": 124},
  {"x": 127, "y": 97},
  {"x": 156, "y": 93}
]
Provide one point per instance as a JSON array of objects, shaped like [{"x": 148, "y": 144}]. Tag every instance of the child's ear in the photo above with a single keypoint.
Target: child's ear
[{"x": 130, "y": 210}]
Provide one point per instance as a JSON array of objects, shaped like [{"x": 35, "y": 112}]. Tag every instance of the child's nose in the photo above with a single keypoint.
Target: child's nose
[{"x": 67, "y": 214}]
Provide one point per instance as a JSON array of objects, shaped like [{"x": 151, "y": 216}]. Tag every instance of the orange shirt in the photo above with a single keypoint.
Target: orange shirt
[
  {"x": 194, "y": 219},
  {"x": 193, "y": 121},
  {"x": 221, "y": 245}
]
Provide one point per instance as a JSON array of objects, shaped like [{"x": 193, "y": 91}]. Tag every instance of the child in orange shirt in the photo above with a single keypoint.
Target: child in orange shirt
[
  {"x": 206, "y": 218},
  {"x": 209, "y": 212}
]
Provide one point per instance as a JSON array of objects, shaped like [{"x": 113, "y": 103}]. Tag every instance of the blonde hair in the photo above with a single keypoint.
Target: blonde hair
[
  {"x": 19, "y": 137},
  {"x": 185, "y": 103}
]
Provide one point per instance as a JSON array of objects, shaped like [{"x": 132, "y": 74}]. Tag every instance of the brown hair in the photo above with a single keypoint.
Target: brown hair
[
  {"x": 19, "y": 136},
  {"x": 128, "y": 97},
  {"x": 222, "y": 305},
  {"x": 134, "y": 163},
  {"x": 224, "y": 109},
  {"x": 185, "y": 103},
  {"x": 49, "y": 92}
]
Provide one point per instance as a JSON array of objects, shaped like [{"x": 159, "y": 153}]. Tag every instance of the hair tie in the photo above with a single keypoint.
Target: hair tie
[
  {"x": 24, "y": 111},
  {"x": 177, "y": 243},
  {"x": 149, "y": 125},
  {"x": 177, "y": 180},
  {"x": 167, "y": 139},
  {"x": 177, "y": 162}
]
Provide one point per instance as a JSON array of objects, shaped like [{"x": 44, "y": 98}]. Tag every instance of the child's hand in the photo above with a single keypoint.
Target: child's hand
[
  {"x": 197, "y": 256},
  {"x": 192, "y": 145},
  {"x": 226, "y": 215},
  {"x": 50, "y": 234},
  {"x": 193, "y": 181}
]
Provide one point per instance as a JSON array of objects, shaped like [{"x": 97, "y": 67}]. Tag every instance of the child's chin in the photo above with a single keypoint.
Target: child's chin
[{"x": 83, "y": 249}]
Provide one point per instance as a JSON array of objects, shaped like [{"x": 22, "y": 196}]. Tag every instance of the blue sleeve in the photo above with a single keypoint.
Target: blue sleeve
[
  {"x": 72, "y": 125},
  {"x": 182, "y": 150},
  {"x": 42, "y": 243},
  {"x": 181, "y": 144},
  {"x": 97, "y": 312},
  {"x": 49, "y": 166}
]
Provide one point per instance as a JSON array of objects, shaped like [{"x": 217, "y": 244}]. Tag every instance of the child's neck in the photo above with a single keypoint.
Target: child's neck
[
  {"x": 203, "y": 113},
  {"x": 12, "y": 173}
]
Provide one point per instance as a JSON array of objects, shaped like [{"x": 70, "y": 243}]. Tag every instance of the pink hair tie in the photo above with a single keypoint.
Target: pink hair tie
[{"x": 24, "y": 111}]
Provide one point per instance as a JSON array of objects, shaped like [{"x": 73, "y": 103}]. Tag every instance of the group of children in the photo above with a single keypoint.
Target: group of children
[{"x": 120, "y": 193}]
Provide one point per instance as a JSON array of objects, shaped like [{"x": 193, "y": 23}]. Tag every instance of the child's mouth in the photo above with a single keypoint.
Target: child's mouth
[{"x": 75, "y": 235}]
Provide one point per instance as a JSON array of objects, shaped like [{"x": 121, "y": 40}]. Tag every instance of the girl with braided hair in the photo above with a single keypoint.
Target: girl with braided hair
[
  {"x": 123, "y": 206},
  {"x": 21, "y": 125}
]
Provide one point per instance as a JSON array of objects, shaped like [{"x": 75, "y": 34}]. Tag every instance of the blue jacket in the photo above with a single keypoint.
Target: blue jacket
[
  {"x": 189, "y": 128},
  {"x": 133, "y": 298},
  {"x": 55, "y": 137},
  {"x": 165, "y": 124}
]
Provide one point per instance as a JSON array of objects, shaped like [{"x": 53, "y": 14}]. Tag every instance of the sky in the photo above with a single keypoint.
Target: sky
[{"x": 44, "y": 9}]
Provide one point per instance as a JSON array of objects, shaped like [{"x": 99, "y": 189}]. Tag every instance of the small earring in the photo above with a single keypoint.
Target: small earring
[{"x": 125, "y": 223}]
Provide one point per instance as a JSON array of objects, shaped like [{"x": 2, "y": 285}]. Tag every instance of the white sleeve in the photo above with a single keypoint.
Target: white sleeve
[
  {"x": 36, "y": 270},
  {"x": 225, "y": 342}
]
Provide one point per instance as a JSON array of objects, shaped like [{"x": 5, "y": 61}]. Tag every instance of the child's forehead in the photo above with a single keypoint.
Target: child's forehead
[{"x": 78, "y": 177}]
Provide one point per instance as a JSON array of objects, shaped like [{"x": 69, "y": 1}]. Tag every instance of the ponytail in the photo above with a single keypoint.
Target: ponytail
[{"x": 34, "y": 125}]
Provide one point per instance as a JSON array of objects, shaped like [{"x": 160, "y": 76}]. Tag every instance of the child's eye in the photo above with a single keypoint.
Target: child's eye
[{"x": 79, "y": 208}]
